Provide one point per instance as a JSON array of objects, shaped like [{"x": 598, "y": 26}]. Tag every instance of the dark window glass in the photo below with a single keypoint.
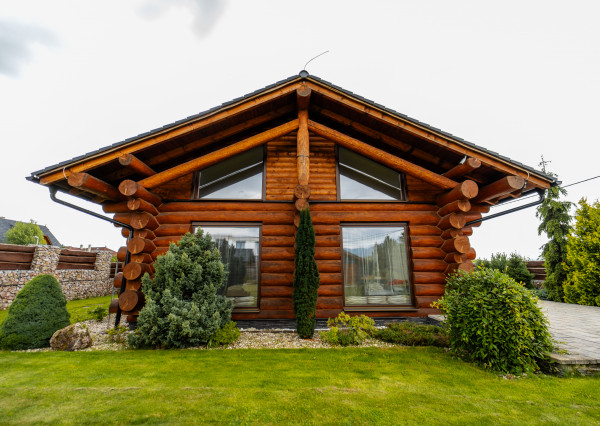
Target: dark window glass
[
  {"x": 239, "y": 252},
  {"x": 364, "y": 179},
  {"x": 375, "y": 265},
  {"x": 239, "y": 177}
]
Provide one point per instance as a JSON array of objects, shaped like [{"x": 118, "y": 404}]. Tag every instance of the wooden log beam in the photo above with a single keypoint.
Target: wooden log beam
[
  {"x": 452, "y": 220},
  {"x": 138, "y": 166},
  {"x": 143, "y": 220},
  {"x": 118, "y": 207},
  {"x": 460, "y": 170},
  {"x": 140, "y": 245},
  {"x": 302, "y": 146},
  {"x": 459, "y": 245},
  {"x": 463, "y": 191},
  {"x": 89, "y": 183},
  {"x": 301, "y": 204},
  {"x": 499, "y": 188},
  {"x": 218, "y": 155},
  {"x": 133, "y": 189},
  {"x": 122, "y": 254},
  {"x": 382, "y": 156},
  {"x": 458, "y": 206},
  {"x": 138, "y": 204},
  {"x": 135, "y": 270},
  {"x": 302, "y": 191},
  {"x": 466, "y": 266},
  {"x": 140, "y": 233}
]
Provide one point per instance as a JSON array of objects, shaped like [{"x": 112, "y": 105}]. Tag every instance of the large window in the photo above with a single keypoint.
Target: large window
[
  {"x": 375, "y": 265},
  {"x": 239, "y": 177},
  {"x": 238, "y": 245},
  {"x": 364, "y": 179}
]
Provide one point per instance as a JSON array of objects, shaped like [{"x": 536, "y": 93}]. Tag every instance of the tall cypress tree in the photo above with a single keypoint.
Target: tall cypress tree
[{"x": 306, "y": 278}]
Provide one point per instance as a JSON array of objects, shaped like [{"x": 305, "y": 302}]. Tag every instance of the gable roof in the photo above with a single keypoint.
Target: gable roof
[
  {"x": 6, "y": 224},
  {"x": 275, "y": 104}
]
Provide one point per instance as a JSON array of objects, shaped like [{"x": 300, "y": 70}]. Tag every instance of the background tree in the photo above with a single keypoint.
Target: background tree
[
  {"x": 306, "y": 278},
  {"x": 555, "y": 223},
  {"x": 583, "y": 257},
  {"x": 24, "y": 233},
  {"x": 182, "y": 305},
  {"x": 513, "y": 265}
]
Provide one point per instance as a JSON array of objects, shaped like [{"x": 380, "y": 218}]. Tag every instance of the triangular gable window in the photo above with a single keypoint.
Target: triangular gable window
[
  {"x": 239, "y": 178},
  {"x": 364, "y": 179}
]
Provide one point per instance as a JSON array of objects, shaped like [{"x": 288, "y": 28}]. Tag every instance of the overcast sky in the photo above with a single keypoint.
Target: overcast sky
[{"x": 521, "y": 78}]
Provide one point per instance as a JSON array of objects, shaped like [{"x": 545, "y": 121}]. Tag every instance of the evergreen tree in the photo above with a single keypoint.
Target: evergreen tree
[
  {"x": 306, "y": 278},
  {"x": 583, "y": 256},
  {"x": 555, "y": 223},
  {"x": 182, "y": 305}
]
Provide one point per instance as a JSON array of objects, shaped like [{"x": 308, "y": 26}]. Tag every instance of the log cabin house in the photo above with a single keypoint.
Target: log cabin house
[{"x": 390, "y": 198}]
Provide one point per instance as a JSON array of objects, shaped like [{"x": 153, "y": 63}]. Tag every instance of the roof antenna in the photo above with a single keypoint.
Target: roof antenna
[{"x": 305, "y": 65}]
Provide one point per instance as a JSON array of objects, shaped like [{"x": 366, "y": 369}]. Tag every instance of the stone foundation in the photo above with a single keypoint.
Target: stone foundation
[{"x": 75, "y": 283}]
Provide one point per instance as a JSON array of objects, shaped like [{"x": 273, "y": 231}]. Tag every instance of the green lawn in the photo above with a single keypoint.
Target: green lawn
[
  {"x": 312, "y": 386},
  {"x": 78, "y": 308}
]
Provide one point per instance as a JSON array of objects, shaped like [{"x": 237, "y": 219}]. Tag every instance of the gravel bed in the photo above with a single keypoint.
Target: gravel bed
[{"x": 249, "y": 339}]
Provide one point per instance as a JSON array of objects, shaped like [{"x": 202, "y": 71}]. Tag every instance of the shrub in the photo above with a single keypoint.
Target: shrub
[
  {"x": 39, "y": 309},
  {"x": 583, "y": 257},
  {"x": 225, "y": 335},
  {"x": 345, "y": 330},
  {"x": 98, "y": 313},
  {"x": 514, "y": 266},
  {"x": 306, "y": 278},
  {"x": 411, "y": 334},
  {"x": 495, "y": 322},
  {"x": 117, "y": 334},
  {"x": 24, "y": 233},
  {"x": 182, "y": 305}
]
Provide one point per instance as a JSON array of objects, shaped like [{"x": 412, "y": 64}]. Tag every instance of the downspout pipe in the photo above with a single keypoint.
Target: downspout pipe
[
  {"x": 53, "y": 190},
  {"x": 541, "y": 195}
]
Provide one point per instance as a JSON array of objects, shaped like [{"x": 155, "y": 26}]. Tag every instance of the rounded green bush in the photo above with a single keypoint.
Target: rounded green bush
[
  {"x": 37, "y": 312},
  {"x": 495, "y": 322}
]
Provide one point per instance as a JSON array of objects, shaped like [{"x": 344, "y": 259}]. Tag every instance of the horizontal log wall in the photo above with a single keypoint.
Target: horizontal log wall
[{"x": 282, "y": 176}]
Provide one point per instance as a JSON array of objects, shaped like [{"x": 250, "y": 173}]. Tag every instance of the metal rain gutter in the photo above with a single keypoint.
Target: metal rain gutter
[
  {"x": 541, "y": 194},
  {"x": 53, "y": 190}
]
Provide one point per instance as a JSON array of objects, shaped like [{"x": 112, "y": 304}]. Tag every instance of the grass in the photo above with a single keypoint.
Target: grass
[
  {"x": 78, "y": 308},
  {"x": 309, "y": 386}
]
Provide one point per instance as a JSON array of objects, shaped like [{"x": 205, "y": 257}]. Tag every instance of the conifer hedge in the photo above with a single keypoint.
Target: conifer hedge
[{"x": 306, "y": 278}]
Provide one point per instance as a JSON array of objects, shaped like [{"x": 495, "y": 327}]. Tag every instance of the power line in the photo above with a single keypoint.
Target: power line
[{"x": 535, "y": 195}]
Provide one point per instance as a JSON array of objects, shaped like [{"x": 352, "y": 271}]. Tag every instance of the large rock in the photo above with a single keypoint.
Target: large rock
[{"x": 71, "y": 338}]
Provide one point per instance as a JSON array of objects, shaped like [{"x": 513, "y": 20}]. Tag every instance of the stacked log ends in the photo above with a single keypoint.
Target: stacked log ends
[
  {"x": 302, "y": 194},
  {"x": 131, "y": 300}
]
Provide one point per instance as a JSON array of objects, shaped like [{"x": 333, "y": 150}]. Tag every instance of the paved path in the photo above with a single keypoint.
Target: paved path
[{"x": 577, "y": 327}]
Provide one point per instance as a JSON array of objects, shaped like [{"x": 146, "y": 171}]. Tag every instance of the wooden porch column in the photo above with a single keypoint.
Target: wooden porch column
[{"x": 302, "y": 191}]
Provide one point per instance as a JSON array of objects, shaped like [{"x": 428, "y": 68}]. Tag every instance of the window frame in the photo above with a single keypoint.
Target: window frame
[
  {"x": 197, "y": 173},
  {"x": 402, "y": 187},
  {"x": 243, "y": 309},
  {"x": 411, "y": 306}
]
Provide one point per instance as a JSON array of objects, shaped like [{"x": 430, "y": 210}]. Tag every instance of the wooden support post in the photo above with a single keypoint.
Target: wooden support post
[
  {"x": 135, "y": 164},
  {"x": 218, "y": 155},
  {"x": 133, "y": 189},
  {"x": 460, "y": 170},
  {"x": 499, "y": 188},
  {"x": 89, "y": 183},
  {"x": 382, "y": 156},
  {"x": 302, "y": 148}
]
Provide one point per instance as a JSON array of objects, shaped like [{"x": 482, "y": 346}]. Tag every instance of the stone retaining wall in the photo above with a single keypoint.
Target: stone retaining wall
[{"x": 75, "y": 283}]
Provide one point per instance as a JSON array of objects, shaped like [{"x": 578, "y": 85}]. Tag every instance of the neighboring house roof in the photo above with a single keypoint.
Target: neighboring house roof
[
  {"x": 273, "y": 105},
  {"x": 6, "y": 224}
]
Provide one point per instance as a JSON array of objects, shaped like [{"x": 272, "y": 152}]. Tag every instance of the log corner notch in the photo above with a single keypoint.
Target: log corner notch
[{"x": 453, "y": 206}]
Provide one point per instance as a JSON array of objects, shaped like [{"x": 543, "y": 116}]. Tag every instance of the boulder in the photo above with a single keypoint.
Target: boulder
[{"x": 71, "y": 338}]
